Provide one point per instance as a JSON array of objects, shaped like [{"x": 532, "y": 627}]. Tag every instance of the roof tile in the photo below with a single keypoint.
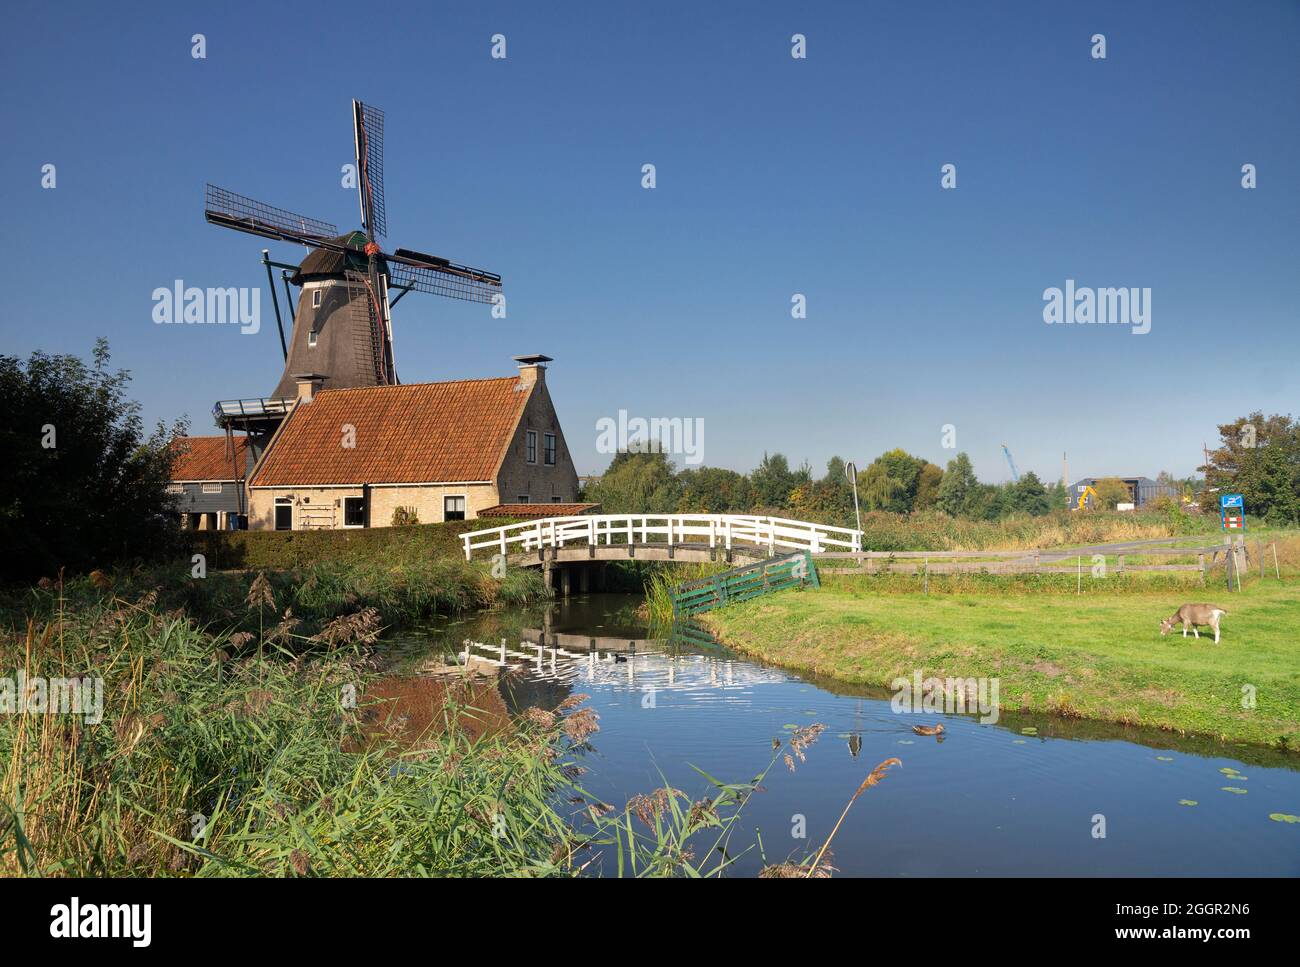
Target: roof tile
[
  {"x": 206, "y": 458},
  {"x": 417, "y": 433}
]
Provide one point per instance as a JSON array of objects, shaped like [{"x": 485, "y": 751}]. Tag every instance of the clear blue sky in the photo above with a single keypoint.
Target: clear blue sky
[{"x": 775, "y": 176}]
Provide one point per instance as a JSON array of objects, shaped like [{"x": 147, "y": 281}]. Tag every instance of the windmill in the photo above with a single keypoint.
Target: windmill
[{"x": 342, "y": 329}]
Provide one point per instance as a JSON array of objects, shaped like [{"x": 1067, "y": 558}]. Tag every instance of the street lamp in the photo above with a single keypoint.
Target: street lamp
[{"x": 851, "y": 471}]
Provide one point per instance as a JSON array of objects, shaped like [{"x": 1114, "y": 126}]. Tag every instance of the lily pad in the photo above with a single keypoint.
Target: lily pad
[
  {"x": 904, "y": 741},
  {"x": 1187, "y": 802},
  {"x": 789, "y": 726},
  {"x": 1238, "y": 791},
  {"x": 1029, "y": 730},
  {"x": 1283, "y": 818},
  {"x": 1164, "y": 758}
]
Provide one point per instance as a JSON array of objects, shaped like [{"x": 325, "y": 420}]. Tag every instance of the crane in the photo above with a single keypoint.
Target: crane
[{"x": 1015, "y": 474}]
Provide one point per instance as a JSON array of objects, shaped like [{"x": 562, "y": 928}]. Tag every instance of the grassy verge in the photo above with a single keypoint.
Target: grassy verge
[{"x": 1097, "y": 656}]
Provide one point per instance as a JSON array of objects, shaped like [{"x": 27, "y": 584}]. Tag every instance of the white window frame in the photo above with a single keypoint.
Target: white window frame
[
  {"x": 317, "y": 297},
  {"x": 175, "y": 488},
  {"x": 275, "y": 512},
  {"x": 211, "y": 488},
  {"x": 311, "y": 337},
  {"x": 464, "y": 506}
]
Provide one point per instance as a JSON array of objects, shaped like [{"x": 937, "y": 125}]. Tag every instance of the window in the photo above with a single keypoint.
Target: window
[
  {"x": 311, "y": 337},
  {"x": 548, "y": 451},
  {"x": 176, "y": 488},
  {"x": 316, "y": 297},
  {"x": 453, "y": 508},
  {"x": 530, "y": 446},
  {"x": 521, "y": 499},
  {"x": 557, "y": 500},
  {"x": 283, "y": 514},
  {"x": 354, "y": 511},
  {"x": 212, "y": 488}
]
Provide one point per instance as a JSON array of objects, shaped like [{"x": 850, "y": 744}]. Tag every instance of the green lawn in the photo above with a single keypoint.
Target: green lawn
[{"x": 1098, "y": 657}]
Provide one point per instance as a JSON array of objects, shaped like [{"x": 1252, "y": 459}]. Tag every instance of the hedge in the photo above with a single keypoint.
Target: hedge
[{"x": 277, "y": 550}]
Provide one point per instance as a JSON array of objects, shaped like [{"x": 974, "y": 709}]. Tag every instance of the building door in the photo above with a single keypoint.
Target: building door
[{"x": 283, "y": 514}]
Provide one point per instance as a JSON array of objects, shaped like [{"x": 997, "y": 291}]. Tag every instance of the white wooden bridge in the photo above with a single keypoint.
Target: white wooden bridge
[{"x": 657, "y": 537}]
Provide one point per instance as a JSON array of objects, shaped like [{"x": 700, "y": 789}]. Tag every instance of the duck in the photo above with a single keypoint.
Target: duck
[{"x": 928, "y": 729}]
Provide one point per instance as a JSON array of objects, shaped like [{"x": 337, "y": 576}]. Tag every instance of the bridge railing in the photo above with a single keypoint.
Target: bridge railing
[{"x": 775, "y": 534}]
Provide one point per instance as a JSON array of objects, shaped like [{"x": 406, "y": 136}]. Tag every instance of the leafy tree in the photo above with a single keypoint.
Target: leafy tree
[
  {"x": 714, "y": 490},
  {"x": 927, "y": 486},
  {"x": 773, "y": 480},
  {"x": 83, "y": 486},
  {"x": 1028, "y": 496},
  {"x": 891, "y": 482},
  {"x": 1259, "y": 458},
  {"x": 1111, "y": 491},
  {"x": 637, "y": 482},
  {"x": 958, "y": 487}
]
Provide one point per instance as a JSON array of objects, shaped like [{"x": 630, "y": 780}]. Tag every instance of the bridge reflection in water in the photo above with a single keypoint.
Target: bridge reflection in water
[{"x": 660, "y": 663}]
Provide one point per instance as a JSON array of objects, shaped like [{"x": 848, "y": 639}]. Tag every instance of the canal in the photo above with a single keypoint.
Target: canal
[{"x": 1025, "y": 796}]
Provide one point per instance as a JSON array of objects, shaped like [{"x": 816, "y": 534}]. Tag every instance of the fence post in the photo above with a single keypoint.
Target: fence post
[
  {"x": 925, "y": 580},
  {"x": 1276, "y": 570},
  {"x": 1200, "y": 559},
  {"x": 1119, "y": 565}
]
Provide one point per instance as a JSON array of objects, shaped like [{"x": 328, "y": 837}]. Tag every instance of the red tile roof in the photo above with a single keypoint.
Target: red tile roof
[
  {"x": 206, "y": 458},
  {"x": 539, "y": 510},
  {"x": 454, "y": 432}
]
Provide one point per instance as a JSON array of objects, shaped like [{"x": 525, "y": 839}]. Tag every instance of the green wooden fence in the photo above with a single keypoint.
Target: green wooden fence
[{"x": 742, "y": 583}]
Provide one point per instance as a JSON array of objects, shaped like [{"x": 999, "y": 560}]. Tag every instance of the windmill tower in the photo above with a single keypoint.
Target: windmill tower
[{"x": 342, "y": 329}]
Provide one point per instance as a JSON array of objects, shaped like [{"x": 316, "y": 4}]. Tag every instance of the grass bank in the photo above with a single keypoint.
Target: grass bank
[{"x": 1097, "y": 656}]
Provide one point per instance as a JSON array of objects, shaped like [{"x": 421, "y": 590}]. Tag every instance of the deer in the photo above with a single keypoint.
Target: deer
[{"x": 1191, "y": 615}]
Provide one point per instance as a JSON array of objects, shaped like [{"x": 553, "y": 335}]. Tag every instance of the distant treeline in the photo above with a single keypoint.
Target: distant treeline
[{"x": 895, "y": 482}]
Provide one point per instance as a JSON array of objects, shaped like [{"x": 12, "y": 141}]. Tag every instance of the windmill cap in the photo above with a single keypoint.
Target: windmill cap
[{"x": 533, "y": 360}]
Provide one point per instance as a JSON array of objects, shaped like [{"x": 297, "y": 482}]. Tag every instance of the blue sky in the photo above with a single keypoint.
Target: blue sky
[{"x": 775, "y": 176}]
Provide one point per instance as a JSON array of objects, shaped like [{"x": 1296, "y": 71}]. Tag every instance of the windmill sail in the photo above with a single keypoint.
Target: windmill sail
[
  {"x": 244, "y": 214},
  {"x": 368, "y": 134}
]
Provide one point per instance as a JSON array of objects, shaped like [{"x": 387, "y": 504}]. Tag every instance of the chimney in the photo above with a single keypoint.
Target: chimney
[
  {"x": 532, "y": 370},
  {"x": 308, "y": 385}
]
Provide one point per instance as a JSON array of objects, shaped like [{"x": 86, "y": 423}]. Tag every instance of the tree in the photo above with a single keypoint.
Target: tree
[
  {"x": 891, "y": 482},
  {"x": 637, "y": 483},
  {"x": 927, "y": 486},
  {"x": 773, "y": 480},
  {"x": 957, "y": 489},
  {"x": 1259, "y": 458},
  {"x": 1111, "y": 491},
  {"x": 713, "y": 490},
  {"x": 83, "y": 486},
  {"x": 1028, "y": 496}
]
